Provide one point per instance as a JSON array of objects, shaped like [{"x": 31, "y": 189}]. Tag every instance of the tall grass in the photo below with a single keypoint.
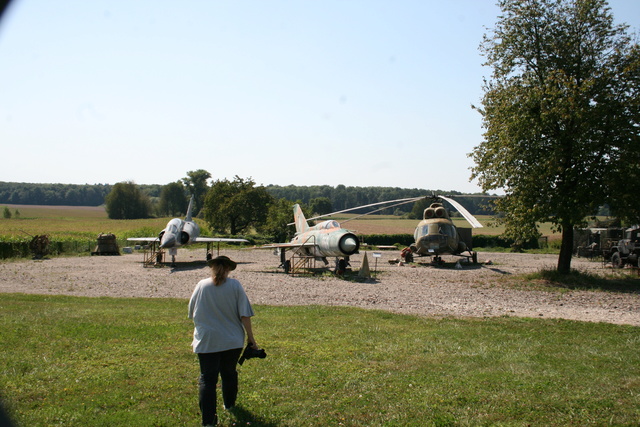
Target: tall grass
[{"x": 122, "y": 362}]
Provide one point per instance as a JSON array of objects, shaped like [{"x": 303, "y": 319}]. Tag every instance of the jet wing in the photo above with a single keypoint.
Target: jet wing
[
  {"x": 218, "y": 239},
  {"x": 143, "y": 239}
]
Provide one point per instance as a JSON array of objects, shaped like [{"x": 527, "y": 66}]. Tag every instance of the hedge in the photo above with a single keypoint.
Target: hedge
[{"x": 479, "y": 241}]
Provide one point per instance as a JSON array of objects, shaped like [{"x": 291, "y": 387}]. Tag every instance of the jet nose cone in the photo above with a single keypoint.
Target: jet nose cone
[
  {"x": 167, "y": 241},
  {"x": 349, "y": 244}
]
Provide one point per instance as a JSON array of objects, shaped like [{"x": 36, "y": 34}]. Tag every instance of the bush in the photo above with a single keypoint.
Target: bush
[
  {"x": 18, "y": 247},
  {"x": 387, "y": 239},
  {"x": 479, "y": 241},
  {"x": 483, "y": 241}
]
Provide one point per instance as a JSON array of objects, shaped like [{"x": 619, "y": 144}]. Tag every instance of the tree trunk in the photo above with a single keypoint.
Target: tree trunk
[{"x": 566, "y": 249}]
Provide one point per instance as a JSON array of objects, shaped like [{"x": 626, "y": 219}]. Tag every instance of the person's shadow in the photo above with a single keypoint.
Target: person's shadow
[
  {"x": 5, "y": 421},
  {"x": 244, "y": 417}
]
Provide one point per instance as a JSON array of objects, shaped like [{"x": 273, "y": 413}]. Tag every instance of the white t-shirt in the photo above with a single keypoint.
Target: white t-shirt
[{"x": 216, "y": 313}]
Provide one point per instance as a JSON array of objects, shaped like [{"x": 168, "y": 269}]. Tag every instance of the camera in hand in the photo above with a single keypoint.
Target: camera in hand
[{"x": 250, "y": 353}]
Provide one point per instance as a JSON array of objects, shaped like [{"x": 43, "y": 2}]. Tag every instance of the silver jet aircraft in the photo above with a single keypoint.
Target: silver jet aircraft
[{"x": 180, "y": 232}]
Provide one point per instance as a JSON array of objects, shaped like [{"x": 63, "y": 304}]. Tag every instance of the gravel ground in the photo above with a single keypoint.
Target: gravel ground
[{"x": 472, "y": 291}]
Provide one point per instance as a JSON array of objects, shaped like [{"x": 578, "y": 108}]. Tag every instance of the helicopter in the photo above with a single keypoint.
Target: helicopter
[{"x": 436, "y": 234}]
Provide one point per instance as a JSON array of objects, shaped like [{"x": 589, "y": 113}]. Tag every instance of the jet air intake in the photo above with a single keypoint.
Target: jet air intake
[
  {"x": 349, "y": 244},
  {"x": 435, "y": 211}
]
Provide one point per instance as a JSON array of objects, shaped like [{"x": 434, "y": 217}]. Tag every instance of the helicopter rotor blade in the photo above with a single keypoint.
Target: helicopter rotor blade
[
  {"x": 465, "y": 213},
  {"x": 380, "y": 209},
  {"x": 403, "y": 201}
]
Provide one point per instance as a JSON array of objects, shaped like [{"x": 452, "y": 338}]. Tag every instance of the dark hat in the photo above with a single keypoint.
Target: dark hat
[{"x": 222, "y": 260}]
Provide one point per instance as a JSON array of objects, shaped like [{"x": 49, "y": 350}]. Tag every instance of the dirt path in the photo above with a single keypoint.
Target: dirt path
[{"x": 473, "y": 290}]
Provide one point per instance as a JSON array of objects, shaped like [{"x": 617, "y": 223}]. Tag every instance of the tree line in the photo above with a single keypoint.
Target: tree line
[
  {"x": 20, "y": 193},
  {"x": 169, "y": 199},
  {"x": 345, "y": 197},
  {"x": 239, "y": 206}
]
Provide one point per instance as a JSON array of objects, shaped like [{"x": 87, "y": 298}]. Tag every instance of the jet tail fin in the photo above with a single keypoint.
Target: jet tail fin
[
  {"x": 299, "y": 219},
  {"x": 189, "y": 209}
]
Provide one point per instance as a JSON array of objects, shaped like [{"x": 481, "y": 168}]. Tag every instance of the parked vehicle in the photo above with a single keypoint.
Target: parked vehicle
[{"x": 626, "y": 250}]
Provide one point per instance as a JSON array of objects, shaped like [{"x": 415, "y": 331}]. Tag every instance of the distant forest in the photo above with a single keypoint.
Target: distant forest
[{"x": 341, "y": 197}]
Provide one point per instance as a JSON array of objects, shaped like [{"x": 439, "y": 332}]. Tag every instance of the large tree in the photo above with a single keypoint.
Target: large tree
[
  {"x": 561, "y": 113},
  {"x": 197, "y": 184},
  {"x": 235, "y": 206},
  {"x": 127, "y": 201},
  {"x": 280, "y": 214},
  {"x": 173, "y": 199}
]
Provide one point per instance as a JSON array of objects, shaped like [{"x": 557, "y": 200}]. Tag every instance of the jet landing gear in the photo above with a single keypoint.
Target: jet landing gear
[
  {"x": 173, "y": 252},
  {"x": 298, "y": 264},
  {"x": 284, "y": 262},
  {"x": 341, "y": 266}
]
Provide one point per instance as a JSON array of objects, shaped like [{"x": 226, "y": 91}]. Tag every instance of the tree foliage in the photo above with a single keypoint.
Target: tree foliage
[
  {"x": 561, "y": 114},
  {"x": 320, "y": 206},
  {"x": 20, "y": 193},
  {"x": 173, "y": 199},
  {"x": 235, "y": 206},
  {"x": 197, "y": 184},
  {"x": 127, "y": 201},
  {"x": 341, "y": 197},
  {"x": 279, "y": 215}
]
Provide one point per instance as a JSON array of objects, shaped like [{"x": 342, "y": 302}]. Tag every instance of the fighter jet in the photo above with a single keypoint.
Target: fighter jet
[
  {"x": 323, "y": 240},
  {"x": 180, "y": 232}
]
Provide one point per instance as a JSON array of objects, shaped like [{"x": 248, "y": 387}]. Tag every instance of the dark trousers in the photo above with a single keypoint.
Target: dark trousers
[{"x": 212, "y": 364}]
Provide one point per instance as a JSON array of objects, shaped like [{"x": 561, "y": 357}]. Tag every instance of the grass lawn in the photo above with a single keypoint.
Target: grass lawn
[{"x": 127, "y": 362}]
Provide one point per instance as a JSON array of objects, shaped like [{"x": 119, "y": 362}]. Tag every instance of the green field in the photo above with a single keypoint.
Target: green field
[
  {"x": 127, "y": 362},
  {"x": 72, "y": 221},
  {"x": 90, "y": 221}
]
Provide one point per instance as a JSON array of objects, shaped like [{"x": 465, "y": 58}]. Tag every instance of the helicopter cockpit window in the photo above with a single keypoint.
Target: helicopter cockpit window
[
  {"x": 447, "y": 229},
  {"x": 423, "y": 231}
]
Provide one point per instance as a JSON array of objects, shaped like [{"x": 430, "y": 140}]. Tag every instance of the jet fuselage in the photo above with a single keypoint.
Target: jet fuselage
[
  {"x": 328, "y": 240},
  {"x": 178, "y": 232}
]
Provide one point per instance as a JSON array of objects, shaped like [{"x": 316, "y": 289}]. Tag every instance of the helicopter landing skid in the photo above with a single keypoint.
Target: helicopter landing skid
[{"x": 437, "y": 260}]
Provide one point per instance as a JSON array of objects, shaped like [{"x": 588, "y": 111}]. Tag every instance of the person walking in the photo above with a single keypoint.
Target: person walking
[{"x": 221, "y": 313}]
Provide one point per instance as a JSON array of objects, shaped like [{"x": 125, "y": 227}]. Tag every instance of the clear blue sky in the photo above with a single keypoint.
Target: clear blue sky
[{"x": 353, "y": 92}]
